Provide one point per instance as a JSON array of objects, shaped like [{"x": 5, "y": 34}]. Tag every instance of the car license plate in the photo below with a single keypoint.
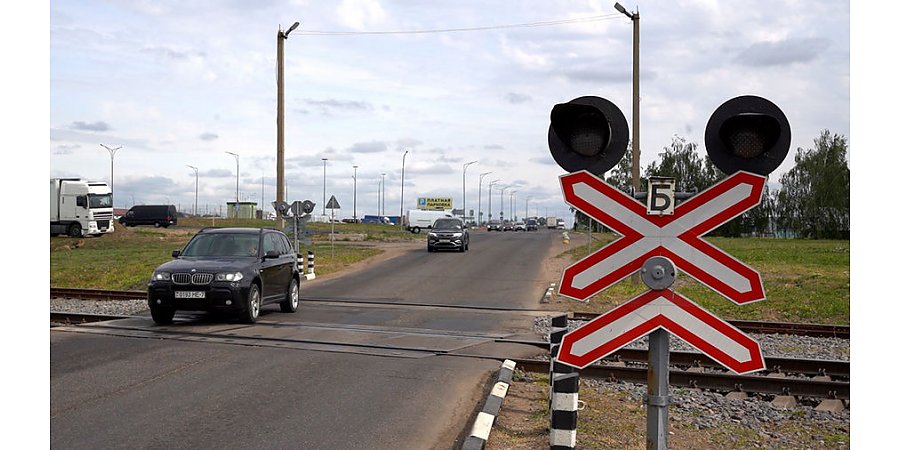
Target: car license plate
[
  {"x": 444, "y": 241},
  {"x": 190, "y": 294}
]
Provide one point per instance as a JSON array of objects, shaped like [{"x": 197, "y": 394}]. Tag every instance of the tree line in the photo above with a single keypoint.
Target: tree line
[{"x": 812, "y": 200}]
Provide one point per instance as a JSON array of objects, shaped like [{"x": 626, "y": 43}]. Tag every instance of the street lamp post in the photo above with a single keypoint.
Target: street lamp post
[
  {"x": 465, "y": 166},
  {"x": 512, "y": 209},
  {"x": 279, "y": 189},
  {"x": 526, "y": 205},
  {"x": 354, "y": 192},
  {"x": 383, "y": 188},
  {"x": 490, "y": 187},
  {"x": 635, "y": 98},
  {"x": 196, "y": 186},
  {"x": 402, "y": 170},
  {"x": 324, "y": 163},
  {"x": 480, "y": 179},
  {"x": 237, "y": 185},
  {"x": 112, "y": 156},
  {"x": 502, "y": 191}
]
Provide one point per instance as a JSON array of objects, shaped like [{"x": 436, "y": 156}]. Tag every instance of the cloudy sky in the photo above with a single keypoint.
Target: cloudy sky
[{"x": 178, "y": 83}]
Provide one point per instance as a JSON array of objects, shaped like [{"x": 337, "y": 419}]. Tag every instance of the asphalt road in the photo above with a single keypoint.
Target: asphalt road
[{"x": 137, "y": 387}]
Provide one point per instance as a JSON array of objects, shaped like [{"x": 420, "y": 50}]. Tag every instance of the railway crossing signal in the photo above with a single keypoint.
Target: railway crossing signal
[
  {"x": 747, "y": 138},
  {"x": 677, "y": 236}
]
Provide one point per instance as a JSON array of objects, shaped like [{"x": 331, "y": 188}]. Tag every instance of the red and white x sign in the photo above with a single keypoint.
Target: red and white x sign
[
  {"x": 665, "y": 309},
  {"x": 677, "y": 236}
]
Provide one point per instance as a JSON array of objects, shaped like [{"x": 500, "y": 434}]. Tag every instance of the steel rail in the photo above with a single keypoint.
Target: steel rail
[
  {"x": 748, "y": 326},
  {"x": 719, "y": 381},
  {"x": 804, "y": 387}
]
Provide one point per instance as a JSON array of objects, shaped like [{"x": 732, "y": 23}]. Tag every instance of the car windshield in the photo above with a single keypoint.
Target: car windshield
[
  {"x": 223, "y": 244},
  {"x": 447, "y": 224}
]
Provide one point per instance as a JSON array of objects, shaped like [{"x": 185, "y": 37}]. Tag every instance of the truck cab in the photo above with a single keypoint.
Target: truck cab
[{"x": 80, "y": 208}]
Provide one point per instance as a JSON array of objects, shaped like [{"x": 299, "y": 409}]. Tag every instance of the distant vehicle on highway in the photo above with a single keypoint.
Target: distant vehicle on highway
[
  {"x": 236, "y": 270},
  {"x": 560, "y": 223},
  {"x": 519, "y": 226},
  {"x": 507, "y": 226},
  {"x": 448, "y": 233},
  {"x": 494, "y": 225},
  {"x": 422, "y": 219},
  {"x": 531, "y": 225}
]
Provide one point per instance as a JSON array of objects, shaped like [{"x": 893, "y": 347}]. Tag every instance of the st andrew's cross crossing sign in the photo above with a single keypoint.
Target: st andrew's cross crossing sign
[
  {"x": 677, "y": 236},
  {"x": 668, "y": 310}
]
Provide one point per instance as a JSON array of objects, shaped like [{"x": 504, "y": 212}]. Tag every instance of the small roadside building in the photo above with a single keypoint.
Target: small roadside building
[{"x": 241, "y": 210}]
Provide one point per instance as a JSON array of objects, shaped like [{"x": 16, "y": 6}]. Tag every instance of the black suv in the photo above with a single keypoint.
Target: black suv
[
  {"x": 448, "y": 234},
  {"x": 229, "y": 270}
]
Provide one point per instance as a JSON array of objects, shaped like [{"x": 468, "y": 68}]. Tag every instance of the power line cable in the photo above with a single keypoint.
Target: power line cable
[{"x": 456, "y": 30}]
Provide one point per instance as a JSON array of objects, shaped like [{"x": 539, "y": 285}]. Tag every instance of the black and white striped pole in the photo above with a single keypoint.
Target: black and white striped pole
[
  {"x": 559, "y": 326},
  {"x": 310, "y": 265},
  {"x": 564, "y": 411}
]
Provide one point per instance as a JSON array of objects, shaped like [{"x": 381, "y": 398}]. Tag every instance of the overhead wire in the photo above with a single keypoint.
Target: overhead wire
[{"x": 457, "y": 30}]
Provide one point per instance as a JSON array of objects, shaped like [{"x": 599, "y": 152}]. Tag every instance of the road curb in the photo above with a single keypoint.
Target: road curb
[{"x": 481, "y": 429}]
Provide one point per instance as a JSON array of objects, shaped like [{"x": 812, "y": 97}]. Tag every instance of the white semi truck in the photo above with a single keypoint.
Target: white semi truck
[{"x": 80, "y": 208}]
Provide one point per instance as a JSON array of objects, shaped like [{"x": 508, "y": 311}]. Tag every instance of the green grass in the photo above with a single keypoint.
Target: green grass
[
  {"x": 373, "y": 232},
  {"x": 125, "y": 259},
  {"x": 804, "y": 280}
]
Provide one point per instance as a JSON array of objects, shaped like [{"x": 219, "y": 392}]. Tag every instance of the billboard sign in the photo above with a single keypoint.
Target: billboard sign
[{"x": 435, "y": 203}]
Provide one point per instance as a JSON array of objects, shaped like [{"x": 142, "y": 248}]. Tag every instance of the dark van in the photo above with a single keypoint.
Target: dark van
[{"x": 156, "y": 215}]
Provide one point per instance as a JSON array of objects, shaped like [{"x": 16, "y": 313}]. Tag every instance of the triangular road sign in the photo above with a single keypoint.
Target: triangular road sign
[{"x": 333, "y": 204}]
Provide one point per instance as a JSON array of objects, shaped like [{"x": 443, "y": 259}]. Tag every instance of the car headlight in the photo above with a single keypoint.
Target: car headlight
[
  {"x": 229, "y": 276},
  {"x": 161, "y": 276},
  {"x": 432, "y": 235},
  {"x": 457, "y": 234}
]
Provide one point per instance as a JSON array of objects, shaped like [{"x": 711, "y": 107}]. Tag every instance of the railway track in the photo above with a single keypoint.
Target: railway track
[
  {"x": 748, "y": 326},
  {"x": 819, "y": 379}
]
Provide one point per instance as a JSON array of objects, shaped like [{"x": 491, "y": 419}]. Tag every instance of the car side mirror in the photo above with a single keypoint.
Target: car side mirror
[
  {"x": 272, "y": 254},
  {"x": 176, "y": 253}
]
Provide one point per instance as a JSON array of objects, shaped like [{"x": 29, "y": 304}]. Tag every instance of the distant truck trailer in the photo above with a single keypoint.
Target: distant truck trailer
[
  {"x": 80, "y": 208},
  {"x": 421, "y": 219},
  {"x": 552, "y": 222}
]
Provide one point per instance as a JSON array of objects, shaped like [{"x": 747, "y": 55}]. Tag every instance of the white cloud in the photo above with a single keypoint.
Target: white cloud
[{"x": 361, "y": 14}]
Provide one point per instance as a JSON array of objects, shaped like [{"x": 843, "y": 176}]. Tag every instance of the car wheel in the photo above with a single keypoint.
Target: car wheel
[
  {"x": 251, "y": 309},
  {"x": 162, "y": 315},
  {"x": 292, "y": 299},
  {"x": 416, "y": 230},
  {"x": 156, "y": 224}
]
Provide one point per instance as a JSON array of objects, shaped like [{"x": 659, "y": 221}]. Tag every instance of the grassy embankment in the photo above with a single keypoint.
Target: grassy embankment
[
  {"x": 804, "y": 280},
  {"x": 126, "y": 258}
]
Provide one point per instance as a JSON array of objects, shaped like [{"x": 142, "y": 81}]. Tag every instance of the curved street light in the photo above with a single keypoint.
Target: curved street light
[
  {"x": 465, "y": 166},
  {"x": 324, "y": 163},
  {"x": 480, "y": 179},
  {"x": 402, "y": 170},
  {"x": 237, "y": 185},
  {"x": 112, "y": 156},
  {"x": 196, "y": 186},
  {"x": 490, "y": 186}
]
